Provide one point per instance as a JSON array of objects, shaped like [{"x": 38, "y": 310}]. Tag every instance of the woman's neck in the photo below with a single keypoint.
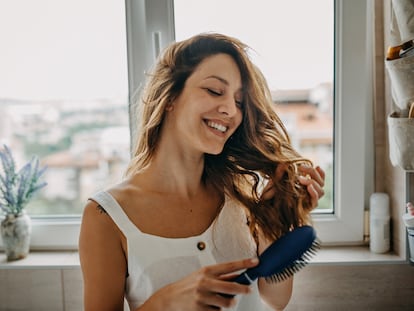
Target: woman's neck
[{"x": 176, "y": 172}]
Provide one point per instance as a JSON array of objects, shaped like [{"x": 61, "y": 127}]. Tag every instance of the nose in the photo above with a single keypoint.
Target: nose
[{"x": 228, "y": 107}]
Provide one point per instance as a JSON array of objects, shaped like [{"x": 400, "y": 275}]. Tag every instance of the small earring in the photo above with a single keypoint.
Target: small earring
[{"x": 169, "y": 107}]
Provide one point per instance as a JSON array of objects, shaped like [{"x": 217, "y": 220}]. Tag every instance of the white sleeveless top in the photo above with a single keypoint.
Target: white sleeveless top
[{"x": 155, "y": 261}]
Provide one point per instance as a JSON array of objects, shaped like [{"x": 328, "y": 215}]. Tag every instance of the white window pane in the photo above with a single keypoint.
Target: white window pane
[
  {"x": 293, "y": 44},
  {"x": 64, "y": 95}
]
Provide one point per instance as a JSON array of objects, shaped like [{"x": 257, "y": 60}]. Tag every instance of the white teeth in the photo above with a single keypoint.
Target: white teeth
[{"x": 217, "y": 126}]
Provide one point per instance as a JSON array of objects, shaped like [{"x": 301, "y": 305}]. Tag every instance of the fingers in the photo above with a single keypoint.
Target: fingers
[
  {"x": 216, "y": 301},
  {"x": 204, "y": 289},
  {"x": 231, "y": 267},
  {"x": 311, "y": 177},
  {"x": 213, "y": 287},
  {"x": 317, "y": 174},
  {"x": 225, "y": 271},
  {"x": 216, "y": 290},
  {"x": 314, "y": 194},
  {"x": 314, "y": 180}
]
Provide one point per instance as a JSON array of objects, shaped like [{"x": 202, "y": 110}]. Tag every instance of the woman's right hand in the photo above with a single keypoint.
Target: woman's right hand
[{"x": 202, "y": 290}]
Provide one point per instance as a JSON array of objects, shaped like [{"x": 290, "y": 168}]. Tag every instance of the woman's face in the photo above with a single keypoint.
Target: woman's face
[{"x": 209, "y": 109}]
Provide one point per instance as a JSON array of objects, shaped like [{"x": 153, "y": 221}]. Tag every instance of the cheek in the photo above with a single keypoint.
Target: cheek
[{"x": 238, "y": 119}]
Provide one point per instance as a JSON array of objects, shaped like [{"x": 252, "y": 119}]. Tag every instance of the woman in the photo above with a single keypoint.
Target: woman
[{"x": 212, "y": 182}]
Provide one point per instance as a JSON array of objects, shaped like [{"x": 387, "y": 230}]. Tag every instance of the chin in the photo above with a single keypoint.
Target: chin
[{"x": 215, "y": 151}]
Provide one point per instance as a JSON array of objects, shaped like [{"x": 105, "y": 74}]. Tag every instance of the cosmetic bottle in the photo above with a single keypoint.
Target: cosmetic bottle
[
  {"x": 408, "y": 219},
  {"x": 379, "y": 223}
]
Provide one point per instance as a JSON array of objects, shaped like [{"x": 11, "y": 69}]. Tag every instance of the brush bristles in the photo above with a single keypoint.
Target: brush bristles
[{"x": 297, "y": 265}]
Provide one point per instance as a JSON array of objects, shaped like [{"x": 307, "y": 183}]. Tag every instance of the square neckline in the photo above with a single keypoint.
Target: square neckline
[{"x": 159, "y": 237}]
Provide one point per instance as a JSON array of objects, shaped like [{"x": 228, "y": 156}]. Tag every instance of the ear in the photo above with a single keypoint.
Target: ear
[{"x": 169, "y": 107}]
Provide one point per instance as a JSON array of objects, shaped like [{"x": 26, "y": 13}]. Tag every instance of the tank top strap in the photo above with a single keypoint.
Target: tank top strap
[{"x": 115, "y": 211}]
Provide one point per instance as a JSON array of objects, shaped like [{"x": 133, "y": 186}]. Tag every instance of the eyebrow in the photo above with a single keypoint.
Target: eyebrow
[{"x": 218, "y": 78}]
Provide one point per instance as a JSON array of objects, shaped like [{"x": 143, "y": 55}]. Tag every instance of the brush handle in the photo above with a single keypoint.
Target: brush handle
[{"x": 243, "y": 279}]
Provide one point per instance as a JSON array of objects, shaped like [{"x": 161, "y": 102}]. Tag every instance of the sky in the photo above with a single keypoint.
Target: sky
[
  {"x": 69, "y": 49},
  {"x": 292, "y": 40},
  {"x": 76, "y": 49}
]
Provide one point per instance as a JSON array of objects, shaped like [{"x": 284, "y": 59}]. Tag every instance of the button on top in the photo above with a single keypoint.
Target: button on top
[{"x": 201, "y": 246}]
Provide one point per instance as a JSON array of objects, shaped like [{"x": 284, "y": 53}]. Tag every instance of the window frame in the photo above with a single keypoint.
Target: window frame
[
  {"x": 150, "y": 27},
  {"x": 353, "y": 171}
]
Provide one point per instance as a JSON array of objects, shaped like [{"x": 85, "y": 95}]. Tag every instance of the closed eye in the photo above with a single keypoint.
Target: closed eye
[
  {"x": 213, "y": 92},
  {"x": 239, "y": 103}
]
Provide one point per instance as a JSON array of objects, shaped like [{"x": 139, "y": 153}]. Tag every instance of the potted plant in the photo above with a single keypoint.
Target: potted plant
[{"x": 16, "y": 190}]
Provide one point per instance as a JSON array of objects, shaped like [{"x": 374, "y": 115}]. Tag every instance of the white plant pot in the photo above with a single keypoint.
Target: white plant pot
[{"x": 15, "y": 233}]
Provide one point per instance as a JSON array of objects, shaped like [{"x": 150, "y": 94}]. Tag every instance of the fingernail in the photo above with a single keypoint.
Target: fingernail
[{"x": 254, "y": 260}]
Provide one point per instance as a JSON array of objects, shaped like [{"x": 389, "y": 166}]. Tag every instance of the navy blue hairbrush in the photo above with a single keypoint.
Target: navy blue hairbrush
[{"x": 284, "y": 257}]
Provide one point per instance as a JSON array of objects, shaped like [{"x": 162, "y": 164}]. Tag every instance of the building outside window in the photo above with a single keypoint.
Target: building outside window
[{"x": 64, "y": 96}]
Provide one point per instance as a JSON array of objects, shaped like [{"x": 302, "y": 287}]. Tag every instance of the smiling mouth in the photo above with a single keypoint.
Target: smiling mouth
[{"x": 218, "y": 127}]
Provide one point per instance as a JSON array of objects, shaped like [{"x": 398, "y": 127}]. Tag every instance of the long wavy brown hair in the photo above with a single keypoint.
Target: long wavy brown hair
[{"x": 258, "y": 147}]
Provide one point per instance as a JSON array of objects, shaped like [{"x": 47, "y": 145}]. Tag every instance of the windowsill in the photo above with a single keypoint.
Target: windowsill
[
  {"x": 338, "y": 255},
  {"x": 43, "y": 260},
  {"x": 353, "y": 255}
]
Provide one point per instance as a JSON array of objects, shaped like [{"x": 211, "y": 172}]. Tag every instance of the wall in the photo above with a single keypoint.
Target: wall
[
  {"x": 389, "y": 179},
  {"x": 41, "y": 289},
  {"x": 379, "y": 287}
]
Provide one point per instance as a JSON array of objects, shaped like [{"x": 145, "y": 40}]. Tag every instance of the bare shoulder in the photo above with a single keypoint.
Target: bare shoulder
[
  {"x": 92, "y": 212},
  {"x": 92, "y": 209},
  {"x": 95, "y": 216},
  {"x": 97, "y": 226}
]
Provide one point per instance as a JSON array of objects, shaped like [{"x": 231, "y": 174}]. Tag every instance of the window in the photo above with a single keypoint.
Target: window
[
  {"x": 88, "y": 62},
  {"x": 347, "y": 157},
  {"x": 64, "y": 98},
  {"x": 297, "y": 64}
]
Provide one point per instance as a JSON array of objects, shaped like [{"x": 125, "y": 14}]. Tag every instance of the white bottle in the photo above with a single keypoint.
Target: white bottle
[{"x": 379, "y": 223}]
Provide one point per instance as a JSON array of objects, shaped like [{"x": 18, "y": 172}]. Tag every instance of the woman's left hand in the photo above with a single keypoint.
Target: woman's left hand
[{"x": 314, "y": 180}]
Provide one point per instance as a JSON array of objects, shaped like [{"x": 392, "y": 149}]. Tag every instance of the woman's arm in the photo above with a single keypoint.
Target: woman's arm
[
  {"x": 103, "y": 261},
  {"x": 276, "y": 295}
]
